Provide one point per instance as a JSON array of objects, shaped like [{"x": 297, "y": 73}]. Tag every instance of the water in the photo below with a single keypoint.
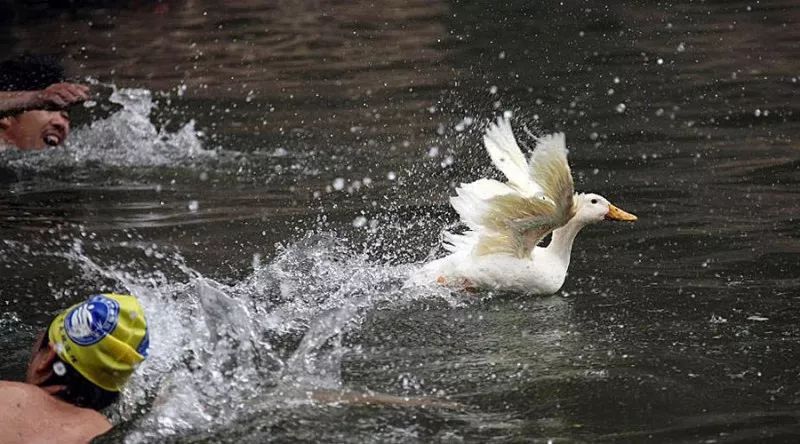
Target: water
[{"x": 266, "y": 177}]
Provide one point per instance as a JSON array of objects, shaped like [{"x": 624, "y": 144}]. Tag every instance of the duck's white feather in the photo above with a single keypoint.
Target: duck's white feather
[
  {"x": 460, "y": 242},
  {"x": 508, "y": 158},
  {"x": 512, "y": 218},
  {"x": 550, "y": 170},
  {"x": 486, "y": 189}
]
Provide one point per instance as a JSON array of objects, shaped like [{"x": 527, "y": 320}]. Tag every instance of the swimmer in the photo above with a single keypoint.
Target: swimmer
[
  {"x": 34, "y": 103},
  {"x": 78, "y": 367}
]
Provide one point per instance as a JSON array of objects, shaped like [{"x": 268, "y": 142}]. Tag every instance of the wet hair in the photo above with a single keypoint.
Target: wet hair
[
  {"x": 78, "y": 390},
  {"x": 30, "y": 72}
]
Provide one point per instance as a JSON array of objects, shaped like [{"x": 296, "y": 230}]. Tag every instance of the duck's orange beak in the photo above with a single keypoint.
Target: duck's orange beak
[{"x": 615, "y": 213}]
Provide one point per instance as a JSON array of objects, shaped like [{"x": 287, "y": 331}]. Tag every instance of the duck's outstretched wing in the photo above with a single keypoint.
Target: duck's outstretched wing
[
  {"x": 512, "y": 218},
  {"x": 508, "y": 158},
  {"x": 550, "y": 170}
]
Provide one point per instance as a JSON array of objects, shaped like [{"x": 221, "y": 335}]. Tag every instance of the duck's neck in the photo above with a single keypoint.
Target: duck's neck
[{"x": 561, "y": 245}]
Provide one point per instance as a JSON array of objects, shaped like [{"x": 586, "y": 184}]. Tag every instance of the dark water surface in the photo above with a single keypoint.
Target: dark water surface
[{"x": 265, "y": 175}]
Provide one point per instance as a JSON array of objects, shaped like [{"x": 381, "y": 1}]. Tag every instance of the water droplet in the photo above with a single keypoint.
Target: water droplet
[
  {"x": 338, "y": 184},
  {"x": 620, "y": 108},
  {"x": 717, "y": 319}
]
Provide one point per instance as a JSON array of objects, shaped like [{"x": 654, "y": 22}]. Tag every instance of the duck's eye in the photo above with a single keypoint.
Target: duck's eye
[{"x": 594, "y": 201}]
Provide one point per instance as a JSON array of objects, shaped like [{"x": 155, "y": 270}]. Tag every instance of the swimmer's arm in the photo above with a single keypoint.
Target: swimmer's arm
[
  {"x": 11, "y": 412},
  {"x": 30, "y": 414},
  {"x": 12, "y": 102},
  {"x": 57, "y": 96}
]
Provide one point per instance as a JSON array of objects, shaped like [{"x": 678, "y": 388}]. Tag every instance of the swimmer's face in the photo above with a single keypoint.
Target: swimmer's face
[{"x": 35, "y": 130}]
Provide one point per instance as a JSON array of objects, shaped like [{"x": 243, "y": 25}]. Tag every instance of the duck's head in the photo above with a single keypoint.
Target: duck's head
[{"x": 591, "y": 208}]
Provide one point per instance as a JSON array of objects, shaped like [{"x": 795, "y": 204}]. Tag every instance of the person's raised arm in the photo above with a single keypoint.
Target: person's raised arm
[{"x": 54, "y": 97}]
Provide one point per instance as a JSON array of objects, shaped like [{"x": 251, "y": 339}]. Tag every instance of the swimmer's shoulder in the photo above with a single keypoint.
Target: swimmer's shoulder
[{"x": 28, "y": 414}]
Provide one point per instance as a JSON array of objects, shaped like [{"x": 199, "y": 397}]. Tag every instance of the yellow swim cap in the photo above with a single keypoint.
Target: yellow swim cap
[{"x": 104, "y": 338}]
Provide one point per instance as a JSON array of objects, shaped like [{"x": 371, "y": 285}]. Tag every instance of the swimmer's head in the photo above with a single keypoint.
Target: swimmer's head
[
  {"x": 90, "y": 350},
  {"x": 38, "y": 128}
]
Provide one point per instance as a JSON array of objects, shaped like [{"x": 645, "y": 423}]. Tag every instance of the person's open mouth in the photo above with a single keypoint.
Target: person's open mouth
[{"x": 53, "y": 138}]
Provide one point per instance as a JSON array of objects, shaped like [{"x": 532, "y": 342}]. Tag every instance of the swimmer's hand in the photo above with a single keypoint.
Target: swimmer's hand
[
  {"x": 59, "y": 96},
  {"x": 56, "y": 97}
]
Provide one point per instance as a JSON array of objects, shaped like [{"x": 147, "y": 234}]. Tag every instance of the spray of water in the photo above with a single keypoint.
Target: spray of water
[
  {"x": 127, "y": 138},
  {"x": 220, "y": 351}
]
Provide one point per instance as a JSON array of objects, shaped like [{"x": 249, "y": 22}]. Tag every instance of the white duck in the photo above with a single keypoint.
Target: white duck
[{"x": 506, "y": 221}]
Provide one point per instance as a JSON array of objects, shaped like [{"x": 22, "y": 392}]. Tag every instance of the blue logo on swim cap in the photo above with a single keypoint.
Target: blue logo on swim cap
[
  {"x": 144, "y": 346},
  {"x": 91, "y": 321}
]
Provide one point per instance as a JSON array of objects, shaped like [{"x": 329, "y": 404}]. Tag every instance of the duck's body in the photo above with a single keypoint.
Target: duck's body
[
  {"x": 543, "y": 272},
  {"x": 506, "y": 221}
]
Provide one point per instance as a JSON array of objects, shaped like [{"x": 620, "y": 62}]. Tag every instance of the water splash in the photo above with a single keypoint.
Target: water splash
[
  {"x": 127, "y": 138},
  {"x": 221, "y": 351}
]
